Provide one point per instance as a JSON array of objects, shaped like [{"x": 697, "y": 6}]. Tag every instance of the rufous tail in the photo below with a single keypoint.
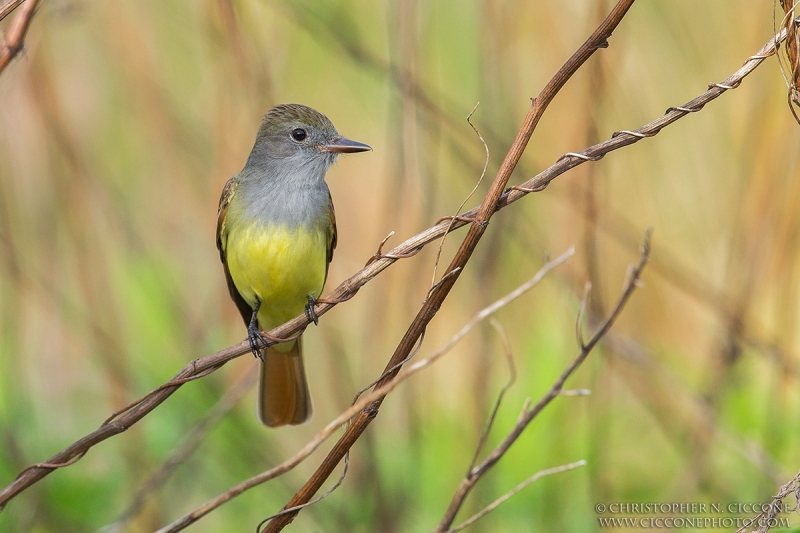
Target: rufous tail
[{"x": 283, "y": 396}]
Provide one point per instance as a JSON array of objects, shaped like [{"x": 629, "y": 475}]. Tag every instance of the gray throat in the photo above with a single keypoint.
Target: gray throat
[{"x": 286, "y": 191}]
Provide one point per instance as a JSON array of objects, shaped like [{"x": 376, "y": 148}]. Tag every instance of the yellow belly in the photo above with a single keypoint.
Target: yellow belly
[{"x": 280, "y": 267}]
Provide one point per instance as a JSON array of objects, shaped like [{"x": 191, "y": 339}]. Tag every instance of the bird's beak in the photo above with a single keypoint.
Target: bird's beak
[{"x": 340, "y": 145}]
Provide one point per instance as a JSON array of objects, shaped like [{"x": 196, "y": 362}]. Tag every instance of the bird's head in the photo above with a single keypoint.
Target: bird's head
[{"x": 294, "y": 132}]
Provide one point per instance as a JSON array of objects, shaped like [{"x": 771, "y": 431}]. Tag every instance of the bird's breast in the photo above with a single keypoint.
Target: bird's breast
[{"x": 277, "y": 265}]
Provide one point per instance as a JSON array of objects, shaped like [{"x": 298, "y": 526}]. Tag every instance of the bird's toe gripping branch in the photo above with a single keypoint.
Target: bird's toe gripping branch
[
  {"x": 254, "y": 335},
  {"x": 311, "y": 314}
]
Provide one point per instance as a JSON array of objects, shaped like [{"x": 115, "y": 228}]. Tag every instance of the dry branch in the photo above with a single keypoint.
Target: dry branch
[
  {"x": 495, "y": 504},
  {"x": 792, "y": 72},
  {"x": 765, "y": 519},
  {"x": 512, "y": 378},
  {"x": 15, "y": 37},
  {"x": 528, "y": 414},
  {"x": 347, "y": 289},
  {"x": 453, "y": 218},
  {"x": 9, "y": 6}
]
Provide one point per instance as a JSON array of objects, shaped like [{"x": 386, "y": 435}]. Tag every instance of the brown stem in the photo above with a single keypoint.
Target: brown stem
[
  {"x": 15, "y": 37},
  {"x": 8, "y": 7}
]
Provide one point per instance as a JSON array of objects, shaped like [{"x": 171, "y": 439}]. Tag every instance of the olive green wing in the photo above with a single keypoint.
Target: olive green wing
[
  {"x": 331, "y": 236},
  {"x": 228, "y": 192}
]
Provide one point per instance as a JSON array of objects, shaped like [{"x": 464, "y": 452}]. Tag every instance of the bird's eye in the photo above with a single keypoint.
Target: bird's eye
[{"x": 299, "y": 134}]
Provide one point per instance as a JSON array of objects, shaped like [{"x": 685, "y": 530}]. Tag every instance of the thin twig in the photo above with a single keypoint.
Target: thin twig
[
  {"x": 528, "y": 414},
  {"x": 575, "y": 392},
  {"x": 9, "y": 6},
  {"x": 315, "y": 500},
  {"x": 512, "y": 378},
  {"x": 587, "y": 292},
  {"x": 385, "y": 373},
  {"x": 764, "y": 520},
  {"x": 492, "y": 506},
  {"x": 463, "y": 203},
  {"x": 15, "y": 37},
  {"x": 623, "y": 138},
  {"x": 790, "y": 24},
  {"x": 358, "y": 406}
]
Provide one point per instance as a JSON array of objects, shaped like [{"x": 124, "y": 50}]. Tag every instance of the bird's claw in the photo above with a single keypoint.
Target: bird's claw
[
  {"x": 254, "y": 337},
  {"x": 311, "y": 314}
]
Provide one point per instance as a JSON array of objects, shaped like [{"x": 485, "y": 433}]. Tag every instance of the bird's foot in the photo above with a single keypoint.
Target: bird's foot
[
  {"x": 311, "y": 314},
  {"x": 254, "y": 335}
]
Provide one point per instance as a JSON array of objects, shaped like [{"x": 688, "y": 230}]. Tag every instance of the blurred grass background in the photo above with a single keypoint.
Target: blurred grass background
[{"x": 122, "y": 121}]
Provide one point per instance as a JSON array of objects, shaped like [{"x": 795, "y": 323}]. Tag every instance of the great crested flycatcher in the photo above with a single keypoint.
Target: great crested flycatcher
[{"x": 276, "y": 232}]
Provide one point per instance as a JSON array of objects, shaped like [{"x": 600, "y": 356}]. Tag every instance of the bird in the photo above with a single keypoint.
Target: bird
[{"x": 276, "y": 233}]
